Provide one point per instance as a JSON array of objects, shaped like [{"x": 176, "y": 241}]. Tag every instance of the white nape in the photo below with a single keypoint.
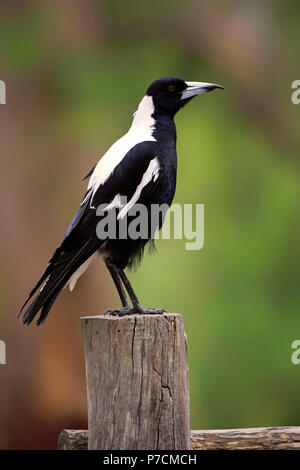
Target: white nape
[{"x": 143, "y": 117}]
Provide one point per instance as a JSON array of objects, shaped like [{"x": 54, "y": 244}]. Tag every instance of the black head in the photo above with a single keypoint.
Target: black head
[{"x": 169, "y": 94}]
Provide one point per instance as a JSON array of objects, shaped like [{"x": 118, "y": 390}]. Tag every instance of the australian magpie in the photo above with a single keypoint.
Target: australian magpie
[{"x": 142, "y": 166}]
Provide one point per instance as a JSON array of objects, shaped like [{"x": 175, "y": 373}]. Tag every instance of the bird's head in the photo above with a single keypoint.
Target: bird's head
[{"x": 170, "y": 94}]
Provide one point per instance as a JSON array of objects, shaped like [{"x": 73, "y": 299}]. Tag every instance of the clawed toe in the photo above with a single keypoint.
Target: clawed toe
[{"x": 121, "y": 312}]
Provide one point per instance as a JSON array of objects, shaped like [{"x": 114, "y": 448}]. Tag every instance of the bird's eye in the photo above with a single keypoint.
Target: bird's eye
[{"x": 172, "y": 88}]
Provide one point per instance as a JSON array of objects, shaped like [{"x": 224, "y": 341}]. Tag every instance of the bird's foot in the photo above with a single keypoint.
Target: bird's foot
[
  {"x": 124, "y": 311},
  {"x": 119, "y": 312}
]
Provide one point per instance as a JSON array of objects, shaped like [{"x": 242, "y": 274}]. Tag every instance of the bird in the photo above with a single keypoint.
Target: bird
[{"x": 142, "y": 167}]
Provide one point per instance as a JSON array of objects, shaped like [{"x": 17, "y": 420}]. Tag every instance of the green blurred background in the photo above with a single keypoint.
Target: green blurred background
[{"x": 75, "y": 72}]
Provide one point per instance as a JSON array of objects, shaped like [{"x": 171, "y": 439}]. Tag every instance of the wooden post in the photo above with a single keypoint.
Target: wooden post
[
  {"x": 137, "y": 382},
  {"x": 282, "y": 438}
]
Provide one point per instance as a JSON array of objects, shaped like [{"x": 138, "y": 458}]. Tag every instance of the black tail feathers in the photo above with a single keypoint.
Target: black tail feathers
[{"x": 57, "y": 274}]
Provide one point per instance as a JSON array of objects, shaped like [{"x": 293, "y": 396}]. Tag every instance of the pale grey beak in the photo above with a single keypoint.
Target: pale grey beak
[{"x": 196, "y": 88}]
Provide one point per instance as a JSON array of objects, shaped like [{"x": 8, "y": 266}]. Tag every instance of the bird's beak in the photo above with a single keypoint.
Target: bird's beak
[{"x": 196, "y": 88}]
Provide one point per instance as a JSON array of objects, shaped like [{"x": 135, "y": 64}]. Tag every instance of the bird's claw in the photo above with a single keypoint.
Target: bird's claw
[{"x": 121, "y": 312}]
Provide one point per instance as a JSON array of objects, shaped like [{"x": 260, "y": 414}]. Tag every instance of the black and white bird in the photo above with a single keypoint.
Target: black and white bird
[{"x": 142, "y": 166}]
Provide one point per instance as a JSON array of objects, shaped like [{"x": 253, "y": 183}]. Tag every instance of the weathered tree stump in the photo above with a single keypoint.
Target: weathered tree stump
[{"x": 137, "y": 382}]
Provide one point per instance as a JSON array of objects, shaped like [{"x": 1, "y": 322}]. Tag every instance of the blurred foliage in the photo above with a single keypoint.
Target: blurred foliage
[{"x": 75, "y": 72}]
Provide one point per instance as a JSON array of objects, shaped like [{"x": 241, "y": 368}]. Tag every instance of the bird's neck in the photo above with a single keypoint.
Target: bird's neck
[
  {"x": 143, "y": 119},
  {"x": 148, "y": 120}
]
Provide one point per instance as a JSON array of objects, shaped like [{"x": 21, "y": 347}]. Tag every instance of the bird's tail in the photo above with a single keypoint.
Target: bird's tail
[{"x": 57, "y": 274}]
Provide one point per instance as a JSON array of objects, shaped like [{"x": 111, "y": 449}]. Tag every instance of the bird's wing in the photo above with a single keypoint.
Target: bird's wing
[{"x": 135, "y": 176}]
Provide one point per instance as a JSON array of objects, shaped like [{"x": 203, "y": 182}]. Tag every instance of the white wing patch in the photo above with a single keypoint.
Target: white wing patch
[
  {"x": 115, "y": 203},
  {"x": 141, "y": 130},
  {"x": 152, "y": 172},
  {"x": 74, "y": 278}
]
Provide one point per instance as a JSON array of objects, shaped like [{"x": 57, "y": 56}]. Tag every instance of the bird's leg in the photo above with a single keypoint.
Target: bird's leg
[
  {"x": 125, "y": 303},
  {"x": 137, "y": 307},
  {"x": 129, "y": 288}
]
